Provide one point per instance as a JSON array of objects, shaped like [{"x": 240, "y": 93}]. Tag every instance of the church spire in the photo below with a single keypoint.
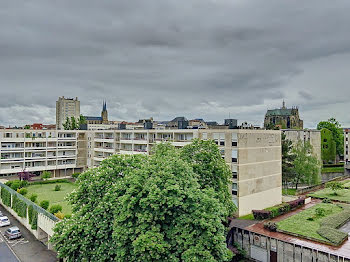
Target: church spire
[
  {"x": 283, "y": 105},
  {"x": 104, "y": 107}
]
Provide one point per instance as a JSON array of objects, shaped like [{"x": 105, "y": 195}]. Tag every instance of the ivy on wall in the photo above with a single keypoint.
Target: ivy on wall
[
  {"x": 6, "y": 197},
  {"x": 328, "y": 144},
  {"x": 33, "y": 217},
  {"x": 19, "y": 206}
]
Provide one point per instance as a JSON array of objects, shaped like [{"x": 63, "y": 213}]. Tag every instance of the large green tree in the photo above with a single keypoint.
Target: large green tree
[
  {"x": 334, "y": 126},
  {"x": 137, "y": 208},
  {"x": 306, "y": 165}
]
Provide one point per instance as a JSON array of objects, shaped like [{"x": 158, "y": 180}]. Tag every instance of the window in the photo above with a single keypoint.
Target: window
[
  {"x": 234, "y": 186},
  {"x": 234, "y": 156},
  {"x": 234, "y": 175},
  {"x": 234, "y": 139}
]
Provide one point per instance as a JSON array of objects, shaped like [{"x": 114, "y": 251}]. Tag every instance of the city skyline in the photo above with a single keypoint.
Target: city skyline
[{"x": 208, "y": 59}]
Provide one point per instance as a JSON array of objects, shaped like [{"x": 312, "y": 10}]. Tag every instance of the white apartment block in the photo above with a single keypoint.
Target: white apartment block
[
  {"x": 254, "y": 156},
  {"x": 66, "y": 107},
  {"x": 346, "y": 145},
  {"x": 39, "y": 150}
]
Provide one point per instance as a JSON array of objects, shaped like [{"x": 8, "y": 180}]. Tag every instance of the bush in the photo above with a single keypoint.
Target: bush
[
  {"x": 46, "y": 175},
  {"x": 271, "y": 226},
  {"x": 8, "y": 183},
  {"x": 261, "y": 214},
  {"x": 326, "y": 200},
  {"x": 55, "y": 209},
  {"x": 16, "y": 184},
  {"x": 59, "y": 215},
  {"x": 57, "y": 188},
  {"x": 23, "y": 191},
  {"x": 24, "y": 183},
  {"x": 33, "y": 197},
  {"x": 34, "y": 219},
  {"x": 5, "y": 197},
  {"x": 75, "y": 175},
  {"x": 19, "y": 206},
  {"x": 335, "y": 236},
  {"x": 44, "y": 204},
  {"x": 320, "y": 212},
  {"x": 67, "y": 216}
]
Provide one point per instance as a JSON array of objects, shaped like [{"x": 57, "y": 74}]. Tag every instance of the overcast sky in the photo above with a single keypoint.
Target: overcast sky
[{"x": 206, "y": 59}]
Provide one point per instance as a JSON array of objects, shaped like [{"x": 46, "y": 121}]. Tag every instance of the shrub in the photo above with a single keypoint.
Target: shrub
[
  {"x": 75, "y": 175},
  {"x": 57, "y": 188},
  {"x": 326, "y": 200},
  {"x": 67, "y": 216},
  {"x": 34, "y": 219},
  {"x": 50, "y": 182},
  {"x": 19, "y": 206},
  {"x": 46, "y": 175},
  {"x": 59, "y": 215},
  {"x": 261, "y": 214},
  {"x": 16, "y": 184},
  {"x": 6, "y": 197},
  {"x": 334, "y": 186},
  {"x": 310, "y": 219},
  {"x": 55, "y": 209},
  {"x": 271, "y": 226},
  {"x": 335, "y": 236},
  {"x": 44, "y": 204},
  {"x": 320, "y": 212},
  {"x": 23, "y": 183},
  {"x": 33, "y": 197},
  {"x": 23, "y": 191}
]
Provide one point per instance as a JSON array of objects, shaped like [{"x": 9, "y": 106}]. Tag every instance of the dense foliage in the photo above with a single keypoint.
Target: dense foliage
[
  {"x": 337, "y": 133},
  {"x": 44, "y": 204},
  {"x": 138, "y": 208},
  {"x": 33, "y": 217},
  {"x": 328, "y": 146},
  {"x": 73, "y": 123},
  {"x": 335, "y": 186},
  {"x": 5, "y": 197},
  {"x": 306, "y": 165},
  {"x": 288, "y": 157},
  {"x": 19, "y": 206},
  {"x": 55, "y": 209}
]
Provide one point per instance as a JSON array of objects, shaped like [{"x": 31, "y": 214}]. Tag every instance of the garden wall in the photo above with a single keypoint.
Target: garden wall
[
  {"x": 45, "y": 220},
  {"x": 325, "y": 177}
]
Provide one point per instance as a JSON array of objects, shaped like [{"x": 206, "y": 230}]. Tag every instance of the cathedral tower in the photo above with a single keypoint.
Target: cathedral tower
[{"x": 104, "y": 113}]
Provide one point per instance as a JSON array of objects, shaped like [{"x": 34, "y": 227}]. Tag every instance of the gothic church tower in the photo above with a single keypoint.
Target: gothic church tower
[{"x": 104, "y": 113}]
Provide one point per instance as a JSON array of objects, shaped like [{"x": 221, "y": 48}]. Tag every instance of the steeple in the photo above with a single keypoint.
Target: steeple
[
  {"x": 283, "y": 105},
  {"x": 104, "y": 113},
  {"x": 104, "y": 106}
]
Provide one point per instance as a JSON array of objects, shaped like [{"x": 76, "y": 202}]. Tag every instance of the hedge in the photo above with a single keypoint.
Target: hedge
[
  {"x": 50, "y": 182},
  {"x": 6, "y": 197},
  {"x": 335, "y": 236},
  {"x": 19, "y": 206},
  {"x": 275, "y": 211},
  {"x": 336, "y": 220}
]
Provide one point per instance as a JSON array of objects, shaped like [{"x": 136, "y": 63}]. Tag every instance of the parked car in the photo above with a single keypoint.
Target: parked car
[
  {"x": 0, "y": 214},
  {"x": 4, "y": 221},
  {"x": 13, "y": 233}
]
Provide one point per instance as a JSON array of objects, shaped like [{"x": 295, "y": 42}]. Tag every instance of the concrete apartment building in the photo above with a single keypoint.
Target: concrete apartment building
[
  {"x": 39, "y": 150},
  {"x": 254, "y": 156},
  {"x": 66, "y": 107}
]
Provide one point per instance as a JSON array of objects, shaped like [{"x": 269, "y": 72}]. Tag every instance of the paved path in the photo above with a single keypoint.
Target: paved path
[
  {"x": 27, "y": 248},
  {"x": 346, "y": 228},
  {"x": 6, "y": 254}
]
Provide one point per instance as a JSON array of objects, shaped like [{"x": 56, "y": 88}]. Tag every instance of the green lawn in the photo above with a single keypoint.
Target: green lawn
[
  {"x": 343, "y": 195},
  {"x": 289, "y": 191},
  {"x": 298, "y": 223},
  {"x": 247, "y": 217},
  {"x": 46, "y": 192}
]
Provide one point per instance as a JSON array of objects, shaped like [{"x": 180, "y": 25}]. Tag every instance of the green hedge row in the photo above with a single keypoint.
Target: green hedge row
[
  {"x": 19, "y": 206},
  {"x": 6, "y": 197},
  {"x": 328, "y": 226},
  {"x": 50, "y": 182},
  {"x": 332, "y": 170},
  {"x": 335, "y": 236},
  {"x": 33, "y": 217}
]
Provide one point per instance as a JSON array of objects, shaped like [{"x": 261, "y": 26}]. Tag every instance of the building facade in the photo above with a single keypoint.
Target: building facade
[
  {"x": 254, "y": 156},
  {"x": 66, "y": 108},
  {"x": 283, "y": 118},
  {"x": 61, "y": 152}
]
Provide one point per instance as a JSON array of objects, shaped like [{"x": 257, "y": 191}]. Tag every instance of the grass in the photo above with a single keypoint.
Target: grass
[
  {"x": 247, "y": 217},
  {"x": 342, "y": 195},
  {"x": 300, "y": 225},
  {"x": 46, "y": 192},
  {"x": 289, "y": 191},
  {"x": 332, "y": 170}
]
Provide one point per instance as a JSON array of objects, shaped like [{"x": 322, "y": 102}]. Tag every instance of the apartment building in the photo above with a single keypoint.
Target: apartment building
[
  {"x": 39, "y": 150},
  {"x": 254, "y": 157},
  {"x": 66, "y": 107}
]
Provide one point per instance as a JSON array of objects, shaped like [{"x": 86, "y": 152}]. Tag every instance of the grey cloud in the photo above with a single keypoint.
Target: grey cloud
[{"x": 203, "y": 58}]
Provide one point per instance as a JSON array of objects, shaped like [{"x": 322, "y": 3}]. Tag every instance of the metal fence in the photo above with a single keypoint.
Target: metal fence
[{"x": 30, "y": 203}]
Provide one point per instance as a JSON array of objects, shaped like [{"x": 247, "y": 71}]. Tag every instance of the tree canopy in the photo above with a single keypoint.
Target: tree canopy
[
  {"x": 288, "y": 157},
  {"x": 306, "y": 165},
  {"x": 148, "y": 208}
]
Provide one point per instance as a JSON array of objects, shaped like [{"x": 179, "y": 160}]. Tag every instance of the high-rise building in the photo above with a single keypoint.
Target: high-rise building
[{"x": 66, "y": 108}]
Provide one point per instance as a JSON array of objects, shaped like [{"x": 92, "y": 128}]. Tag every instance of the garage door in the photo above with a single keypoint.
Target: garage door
[{"x": 258, "y": 253}]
